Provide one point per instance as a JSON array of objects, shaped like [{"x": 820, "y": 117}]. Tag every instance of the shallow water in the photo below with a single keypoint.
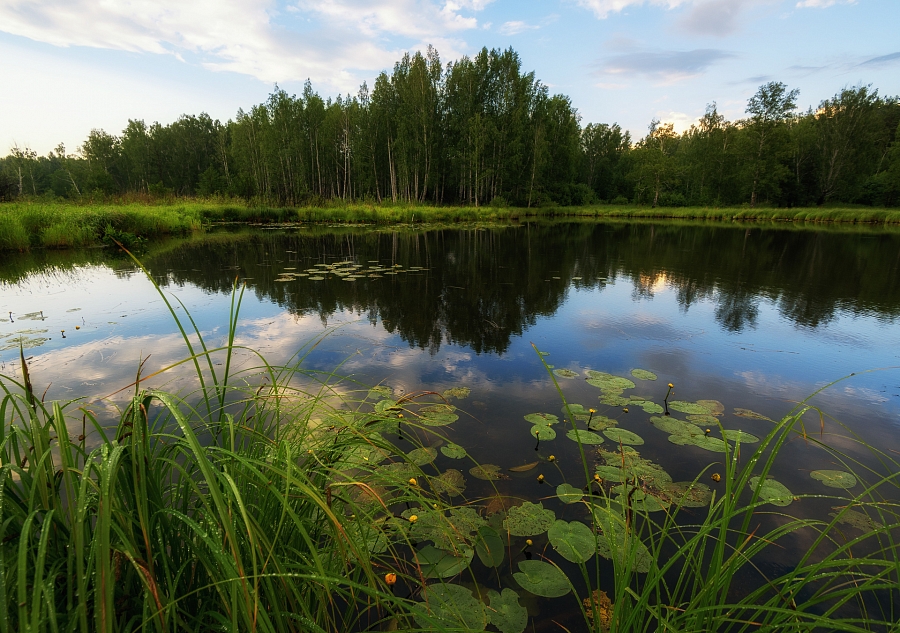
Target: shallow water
[{"x": 757, "y": 318}]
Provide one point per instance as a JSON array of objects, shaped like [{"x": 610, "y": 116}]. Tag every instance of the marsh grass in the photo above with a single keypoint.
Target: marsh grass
[{"x": 24, "y": 225}]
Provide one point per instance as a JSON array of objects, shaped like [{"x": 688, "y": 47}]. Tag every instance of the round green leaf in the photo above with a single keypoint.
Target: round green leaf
[
  {"x": 453, "y": 451},
  {"x": 601, "y": 422},
  {"x": 613, "y": 400},
  {"x": 568, "y": 493},
  {"x": 713, "y": 406},
  {"x": 487, "y": 472},
  {"x": 834, "y": 478},
  {"x": 451, "y": 483},
  {"x": 542, "y": 579},
  {"x": 773, "y": 492},
  {"x": 610, "y": 382},
  {"x": 528, "y": 519},
  {"x": 643, "y": 374},
  {"x": 747, "y": 413},
  {"x": 611, "y": 473},
  {"x": 545, "y": 419},
  {"x": 651, "y": 407},
  {"x": 740, "y": 436},
  {"x": 624, "y": 436},
  {"x": 422, "y": 456},
  {"x": 454, "y": 607},
  {"x": 574, "y": 541},
  {"x": 489, "y": 546},
  {"x": 688, "y": 494},
  {"x": 565, "y": 373},
  {"x": 673, "y": 426},
  {"x": 586, "y": 437},
  {"x": 543, "y": 433},
  {"x": 688, "y": 407},
  {"x": 615, "y": 540},
  {"x": 438, "y": 563},
  {"x": 506, "y": 613}
]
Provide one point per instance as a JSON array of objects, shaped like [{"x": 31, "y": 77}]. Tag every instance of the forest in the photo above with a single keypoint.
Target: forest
[{"x": 481, "y": 131}]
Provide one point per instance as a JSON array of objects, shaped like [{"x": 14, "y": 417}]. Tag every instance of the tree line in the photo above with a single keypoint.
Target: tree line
[{"x": 481, "y": 131}]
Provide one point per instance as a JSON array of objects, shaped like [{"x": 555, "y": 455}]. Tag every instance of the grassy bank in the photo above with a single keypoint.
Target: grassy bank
[
  {"x": 278, "y": 499},
  {"x": 25, "y": 225}
]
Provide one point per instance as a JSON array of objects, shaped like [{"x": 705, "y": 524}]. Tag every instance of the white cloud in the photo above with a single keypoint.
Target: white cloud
[
  {"x": 821, "y": 4},
  {"x": 602, "y": 8},
  {"x": 516, "y": 26}
]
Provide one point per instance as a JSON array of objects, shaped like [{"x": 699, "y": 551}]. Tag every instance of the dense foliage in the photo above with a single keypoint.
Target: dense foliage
[{"x": 481, "y": 131}]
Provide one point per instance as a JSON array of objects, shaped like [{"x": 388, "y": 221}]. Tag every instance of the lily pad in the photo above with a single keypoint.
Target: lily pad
[
  {"x": 688, "y": 407},
  {"x": 616, "y": 541},
  {"x": 487, "y": 472},
  {"x": 545, "y": 419},
  {"x": 611, "y": 473},
  {"x": 528, "y": 519},
  {"x": 380, "y": 391},
  {"x": 773, "y": 492},
  {"x": 524, "y": 468},
  {"x": 643, "y": 374},
  {"x": 834, "y": 478},
  {"x": 543, "y": 433},
  {"x": 438, "y": 563},
  {"x": 586, "y": 437},
  {"x": 674, "y": 426},
  {"x": 457, "y": 392},
  {"x": 505, "y": 611},
  {"x": 624, "y": 436},
  {"x": 740, "y": 436},
  {"x": 453, "y": 451},
  {"x": 454, "y": 607},
  {"x": 566, "y": 373},
  {"x": 422, "y": 456},
  {"x": 688, "y": 494},
  {"x": 451, "y": 482},
  {"x": 489, "y": 546},
  {"x": 608, "y": 381},
  {"x": 713, "y": 406},
  {"x": 568, "y": 493},
  {"x": 747, "y": 413},
  {"x": 573, "y": 540},
  {"x": 650, "y": 407},
  {"x": 542, "y": 579},
  {"x": 613, "y": 400},
  {"x": 856, "y": 519},
  {"x": 703, "y": 419}
]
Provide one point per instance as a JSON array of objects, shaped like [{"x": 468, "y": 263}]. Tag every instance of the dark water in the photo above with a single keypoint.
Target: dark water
[{"x": 757, "y": 318}]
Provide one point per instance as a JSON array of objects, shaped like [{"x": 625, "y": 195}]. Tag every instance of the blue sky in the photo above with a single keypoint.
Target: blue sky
[{"x": 67, "y": 66}]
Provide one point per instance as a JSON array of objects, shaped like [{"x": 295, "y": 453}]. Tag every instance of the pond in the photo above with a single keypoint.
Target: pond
[{"x": 747, "y": 320}]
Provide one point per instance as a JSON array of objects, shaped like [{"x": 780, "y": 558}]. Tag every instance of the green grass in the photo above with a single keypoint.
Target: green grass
[{"x": 24, "y": 225}]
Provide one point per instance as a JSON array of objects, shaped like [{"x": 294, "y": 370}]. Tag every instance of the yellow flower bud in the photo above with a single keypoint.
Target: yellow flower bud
[
  {"x": 716, "y": 477},
  {"x": 528, "y": 542},
  {"x": 413, "y": 482},
  {"x": 671, "y": 386},
  {"x": 413, "y": 518},
  {"x": 390, "y": 579},
  {"x": 552, "y": 458},
  {"x": 540, "y": 478}
]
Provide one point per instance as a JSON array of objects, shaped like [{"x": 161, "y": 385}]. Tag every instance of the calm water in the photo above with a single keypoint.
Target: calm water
[{"x": 755, "y": 318}]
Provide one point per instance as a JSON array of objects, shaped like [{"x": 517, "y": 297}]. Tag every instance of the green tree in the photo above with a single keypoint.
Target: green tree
[{"x": 769, "y": 110}]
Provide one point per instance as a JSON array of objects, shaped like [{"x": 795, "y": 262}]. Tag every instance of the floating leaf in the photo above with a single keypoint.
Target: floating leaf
[
  {"x": 542, "y": 579},
  {"x": 438, "y": 419},
  {"x": 703, "y": 419},
  {"x": 565, "y": 373},
  {"x": 543, "y": 433},
  {"x": 454, "y": 607},
  {"x": 747, "y": 413},
  {"x": 641, "y": 500},
  {"x": 643, "y": 374},
  {"x": 437, "y": 408},
  {"x": 489, "y": 546},
  {"x": 616, "y": 540},
  {"x": 524, "y": 468},
  {"x": 487, "y": 472},
  {"x": 546, "y": 419},
  {"x": 457, "y": 392},
  {"x": 624, "y": 437},
  {"x": 386, "y": 406},
  {"x": 713, "y": 406},
  {"x": 315, "y": 278},
  {"x": 529, "y": 519},
  {"x": 674, "y": 426},
  {"x": 706, "y": 442},
  {"x": 451, "y": 483},
  {"x": 611, "y": 473},
  {"x": 613, "y": 400},
  {"x": 422, "y": 456},
  {"x": 601, "y": 423},
  {"x": 381, "y": 391},
  {"x": 574, "y": 541},
  {"x": 608, "y": 381},
  {"x": 773, "y": 492},
  {"x": 438, "y": 563},
  {"x": 650, "y": 407},
  {"x": 740, "y": 436},
  {"x": 856, "y": 519},
  {"x": 585, "y": 437},
  {"x": 505, "y": 611},
  {"x": 688, "y": 407},
  {"x": 453, "y": 451},
  {"x": 569, "y": 493},
  {"x": 834, "y": 478},
  {"x": 688, "y": 494}
]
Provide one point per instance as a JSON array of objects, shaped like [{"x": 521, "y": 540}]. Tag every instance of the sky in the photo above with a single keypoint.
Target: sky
[{"x": 68, "y": 66}]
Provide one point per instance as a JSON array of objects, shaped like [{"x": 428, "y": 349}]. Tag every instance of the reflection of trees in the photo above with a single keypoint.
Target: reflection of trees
[{"x": 484, "y": 286}]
